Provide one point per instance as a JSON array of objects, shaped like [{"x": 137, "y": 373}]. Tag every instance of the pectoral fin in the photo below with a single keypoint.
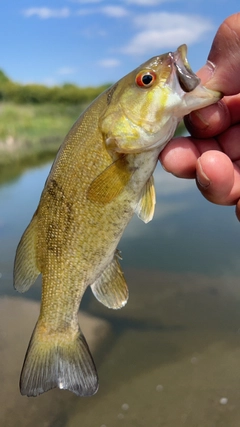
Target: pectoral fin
[
  {"x": 110, "y": 288},
  {"x": 111, "y": 182},
  {"x": 25, "y": 264},
  {"x": 146, "y": 205}
]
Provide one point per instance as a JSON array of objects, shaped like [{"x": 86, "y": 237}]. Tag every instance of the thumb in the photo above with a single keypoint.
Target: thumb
[{"x": 223, "y": 66}]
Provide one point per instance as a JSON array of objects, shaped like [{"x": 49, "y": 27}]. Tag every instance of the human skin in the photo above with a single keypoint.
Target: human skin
[{"x": 212, "y": 153}]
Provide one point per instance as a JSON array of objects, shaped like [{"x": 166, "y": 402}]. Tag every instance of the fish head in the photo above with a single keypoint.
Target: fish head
[{"x": 146, "y": 105}]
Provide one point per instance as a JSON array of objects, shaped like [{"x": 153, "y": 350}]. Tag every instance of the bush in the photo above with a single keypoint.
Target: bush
[{"x": 38, "y": 94}]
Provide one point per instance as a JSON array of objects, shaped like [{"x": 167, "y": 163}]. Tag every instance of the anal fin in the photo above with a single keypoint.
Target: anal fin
[
  {"x": 111, "y": 288},
  {"x": 25, "y": 264},
  {"x": 146, "y": 205}
]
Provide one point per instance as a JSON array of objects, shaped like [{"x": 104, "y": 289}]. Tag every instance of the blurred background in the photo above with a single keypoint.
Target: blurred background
[{"x": 171, "y": 357}]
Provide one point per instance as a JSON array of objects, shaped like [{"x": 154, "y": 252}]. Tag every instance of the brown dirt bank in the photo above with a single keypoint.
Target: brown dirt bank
[
  {"x": 17, "y": 319},
  {"x": 175, "y": 359},
  {"x": 170, "y": 359}
]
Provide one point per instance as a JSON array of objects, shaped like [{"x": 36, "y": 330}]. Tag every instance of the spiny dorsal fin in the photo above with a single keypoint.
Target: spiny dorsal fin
[
  {"x": 110, "y": 183},
  {"x": 146, "y": 205},
  {"x": 110, "y": 288},
  {"x": 25, "y": 264}
]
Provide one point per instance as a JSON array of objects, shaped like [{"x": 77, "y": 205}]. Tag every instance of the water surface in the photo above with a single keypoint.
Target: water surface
[{"x": 173, "y": 356}]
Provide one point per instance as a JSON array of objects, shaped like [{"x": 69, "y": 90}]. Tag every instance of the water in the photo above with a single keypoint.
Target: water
[{"x": 169, "y": 358}]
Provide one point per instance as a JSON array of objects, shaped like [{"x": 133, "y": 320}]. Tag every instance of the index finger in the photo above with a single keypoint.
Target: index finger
[
  {"x": 215, "y": 119},
  {"x": 180, "y": 155}
]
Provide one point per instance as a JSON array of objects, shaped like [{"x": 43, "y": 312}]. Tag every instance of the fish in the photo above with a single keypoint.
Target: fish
[{"x": 101, "y": 176}]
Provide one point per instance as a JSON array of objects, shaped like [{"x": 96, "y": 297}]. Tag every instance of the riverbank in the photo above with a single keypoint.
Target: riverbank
[
  {"x": 18, "y": 317},
  {"x": 31, "y": 134},
  {"x": 169, "y": 358}
]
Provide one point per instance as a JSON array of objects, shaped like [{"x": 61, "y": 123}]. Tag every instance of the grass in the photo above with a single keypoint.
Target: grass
[{"x": 29, "y": 131}]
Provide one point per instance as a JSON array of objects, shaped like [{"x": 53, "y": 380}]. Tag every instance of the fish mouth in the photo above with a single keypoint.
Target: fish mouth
[{"x": 187, "y": 79}]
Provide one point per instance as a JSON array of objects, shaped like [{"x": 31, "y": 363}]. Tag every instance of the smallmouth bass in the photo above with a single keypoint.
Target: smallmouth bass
[{"x": 101, "y": 176}]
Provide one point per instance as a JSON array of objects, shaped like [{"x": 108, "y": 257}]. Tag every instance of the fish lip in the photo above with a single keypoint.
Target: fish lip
[{"x": 187, "y": 79}]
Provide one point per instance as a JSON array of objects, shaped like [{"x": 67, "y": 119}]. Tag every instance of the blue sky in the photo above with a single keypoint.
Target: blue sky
[{"x": 91, "y": 42}]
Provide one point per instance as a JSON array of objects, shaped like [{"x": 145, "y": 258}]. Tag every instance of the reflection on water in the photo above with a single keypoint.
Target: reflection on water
[{"x": 173, "y": 356}]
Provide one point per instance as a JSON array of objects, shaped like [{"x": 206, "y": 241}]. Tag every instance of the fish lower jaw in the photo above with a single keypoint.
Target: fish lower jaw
[
  {"x": 148, "y": 141},
  {"x": 200, "y": 97},
  {"x": 163, "y": 137}
]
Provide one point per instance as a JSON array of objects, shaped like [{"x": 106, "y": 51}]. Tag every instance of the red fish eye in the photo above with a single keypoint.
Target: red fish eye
[{"x": 145, "y": 78}]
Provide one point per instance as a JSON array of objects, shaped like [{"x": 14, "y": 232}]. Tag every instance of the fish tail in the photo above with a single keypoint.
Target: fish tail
[{"x": 55, "y": 360}]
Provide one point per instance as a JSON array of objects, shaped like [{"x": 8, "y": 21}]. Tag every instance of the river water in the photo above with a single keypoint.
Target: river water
[{"x": 172, "y": 356}]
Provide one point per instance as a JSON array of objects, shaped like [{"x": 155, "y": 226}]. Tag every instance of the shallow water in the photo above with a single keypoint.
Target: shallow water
[{"x": 173, "y": 356}]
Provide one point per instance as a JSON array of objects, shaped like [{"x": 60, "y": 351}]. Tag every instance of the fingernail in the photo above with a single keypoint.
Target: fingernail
[
  {"x": 237, "y": 212},
  {"x": 208, "y": 71},
  {"x": 198, "y": 120},
  {"x": 201, "y": 177}
]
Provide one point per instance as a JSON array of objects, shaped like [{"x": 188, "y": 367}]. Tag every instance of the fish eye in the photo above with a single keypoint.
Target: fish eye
[{"x": 145, "y": 78}]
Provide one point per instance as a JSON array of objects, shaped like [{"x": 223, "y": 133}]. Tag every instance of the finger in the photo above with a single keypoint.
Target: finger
[
  {"x": 208, "y": 121},
  {"x": 229, "y": 142},
  {"x": 218, "y": 178},
  {"x": 214, "y": 119},
  {"x": 238, "y": 210},
  {"x": 222, "y": 69},
  {"x": 179, "y": 157}
]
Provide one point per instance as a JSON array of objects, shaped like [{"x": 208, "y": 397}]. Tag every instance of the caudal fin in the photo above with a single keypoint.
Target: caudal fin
[{"x": 52, "y": 361}]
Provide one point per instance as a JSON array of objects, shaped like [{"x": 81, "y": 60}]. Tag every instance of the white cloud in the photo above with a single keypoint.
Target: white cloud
[
  {"x": 84, "y": 12},
  {"x": 109, "y": 63},
  {"x": 46, "y": 13},
  {"x": 165, "y": 20},
  {"x": 49, "y": 81},
  {"x": 86, "y": 1},
  {"x": 65, "y": 71},
  {"x": 114, "y": 11},
  {"x": 164, "y": 30},
  {"x": 147, "y": 2}
]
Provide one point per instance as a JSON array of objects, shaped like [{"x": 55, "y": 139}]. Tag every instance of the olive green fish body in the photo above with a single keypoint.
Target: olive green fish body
[
  {"x": 76, "y": 232},
  {"x": 101, "y": 176}
]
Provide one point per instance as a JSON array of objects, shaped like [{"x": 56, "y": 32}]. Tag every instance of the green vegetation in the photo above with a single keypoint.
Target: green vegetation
[
  {"x": 26, "y": 128},
  {"x": 34, "y": 120},
  {"x": 32, "y": 134},
  {"x": 38, "y": 94}
]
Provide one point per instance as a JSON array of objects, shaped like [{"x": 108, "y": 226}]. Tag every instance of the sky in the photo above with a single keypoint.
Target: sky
[{"x": 93, "y": 42}]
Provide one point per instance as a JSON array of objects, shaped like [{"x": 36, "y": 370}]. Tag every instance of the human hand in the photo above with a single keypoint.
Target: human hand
[{"x": 212, "y": 153}]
